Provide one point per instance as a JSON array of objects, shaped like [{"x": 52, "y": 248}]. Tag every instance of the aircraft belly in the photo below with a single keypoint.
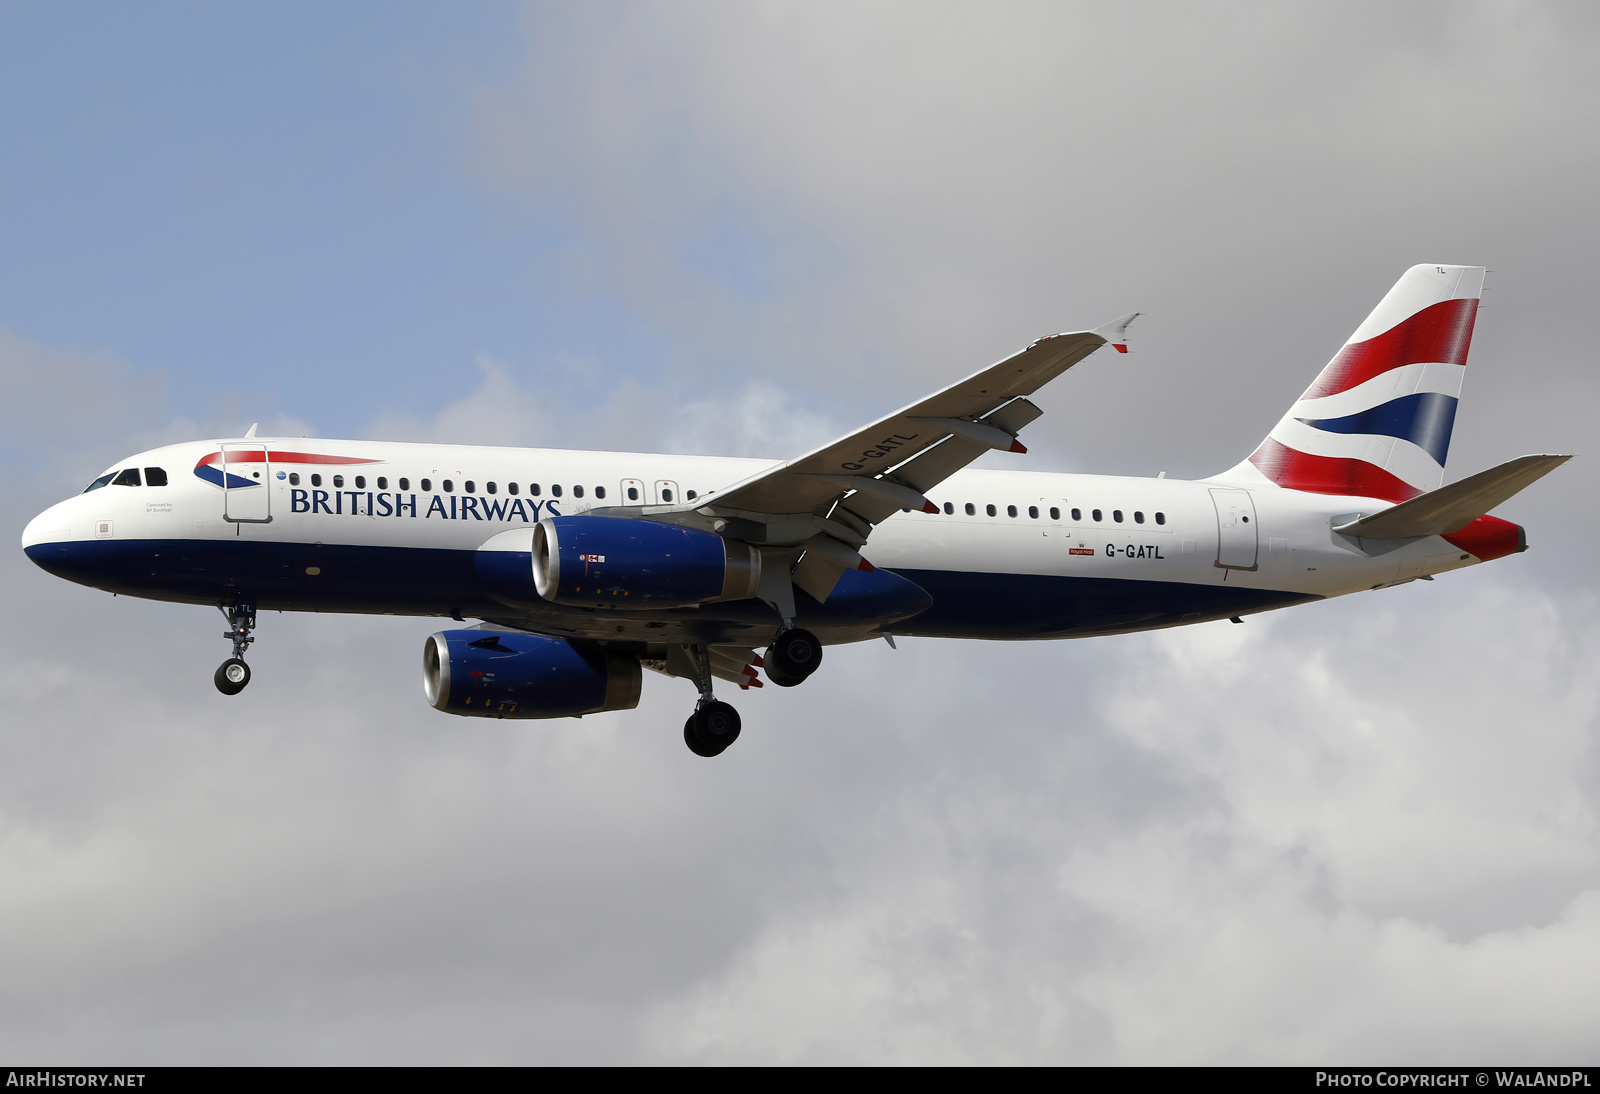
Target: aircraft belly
[{"x": 995, "y": 605}]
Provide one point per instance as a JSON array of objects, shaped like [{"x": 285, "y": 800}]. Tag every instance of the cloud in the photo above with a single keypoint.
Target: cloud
[
  {"x": 910, "y": 191},
  {"x": 1352, "y": 832}
]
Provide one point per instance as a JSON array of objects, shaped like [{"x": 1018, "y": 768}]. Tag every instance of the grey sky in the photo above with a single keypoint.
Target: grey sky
[{"x": 1359, "y": 831}]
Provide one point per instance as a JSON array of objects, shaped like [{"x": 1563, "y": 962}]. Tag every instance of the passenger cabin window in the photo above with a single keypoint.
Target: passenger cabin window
[
  {"x": 1096, "y": 515},
  {"x": 971, "y": 511},
  {"x": 989, "y": 509},
  {"x": 449, "y": 486},
  {"x": 555, "y": 491},
  {"x": 577, "y": 491},
  {"x": 427, "y": 484},
  {"x": 405, "y": 484},
  {"x": 489, "y": 487},
  {"x": 1033, "y": 511},
  {"x": 1055, "y": 514},
  {"x": 294, "y": 478},
  {"x": 600, "y": 492},
  {"x": 1077, "y": 514},
  {"x": 533, "y": 489},
  {"x": 383, "y": 483},
  {"x": 155, "y": 476},
  {"x": 338, "y": 481},
  {"x": 511, "y": 488},
  {"x": 1161, "y": 518},
  {"x": 633, "y": 493},
  {"x": 949, "y": 508},
  {"x": 470, "y": 485},
  {"x": 361, "y": 482},
  {"x": 1011, "y": 510},
  {"x": 130, "y": 477},
  {"x": 101, "y": 481},
  {"x": 1138, "y": 517},
  {"x": 666, "y": 495},
  {"x": 1116, "y": 515}
]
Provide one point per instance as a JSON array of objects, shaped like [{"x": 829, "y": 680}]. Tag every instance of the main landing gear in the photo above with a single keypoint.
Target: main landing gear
[
  {"x": 714, "y": 725},
  {"x": 233, "y": 674},
  {"x": 794, "y": 655}
]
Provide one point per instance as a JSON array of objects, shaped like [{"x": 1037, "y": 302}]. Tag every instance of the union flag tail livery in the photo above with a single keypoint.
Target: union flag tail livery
[
  {"x": 586, "y": 568},
  {"x": 1376, "y": 422}
]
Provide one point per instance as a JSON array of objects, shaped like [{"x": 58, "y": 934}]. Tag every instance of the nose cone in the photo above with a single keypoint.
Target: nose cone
[
  {"x": 50, "y": 526},
  {"x": 47, "y": 538}
]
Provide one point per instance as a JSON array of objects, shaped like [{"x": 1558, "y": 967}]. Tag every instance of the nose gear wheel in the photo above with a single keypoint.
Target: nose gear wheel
[{"x": 233, "y": 674}]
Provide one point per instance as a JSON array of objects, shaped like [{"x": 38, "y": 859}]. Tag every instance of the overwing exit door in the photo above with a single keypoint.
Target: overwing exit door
[
  {"x": 246, "y": 489},
  {"x": 1236, "y": 529}
]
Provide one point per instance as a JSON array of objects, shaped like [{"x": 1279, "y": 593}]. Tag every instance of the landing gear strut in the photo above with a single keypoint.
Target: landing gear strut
[
  {"x": 233, "y": 674},
  {"x": 714, "y": 725},
  {"x": 794, "y": 655}
]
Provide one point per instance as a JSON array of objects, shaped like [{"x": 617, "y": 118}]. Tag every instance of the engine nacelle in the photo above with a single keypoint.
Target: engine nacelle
[
  {"x": 620, "y": 562},
  {"x": 509, "y": 674}
]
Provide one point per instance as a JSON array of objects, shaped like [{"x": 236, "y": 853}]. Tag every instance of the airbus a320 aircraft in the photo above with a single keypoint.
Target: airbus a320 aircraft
[{"x": 587, "y": 567}]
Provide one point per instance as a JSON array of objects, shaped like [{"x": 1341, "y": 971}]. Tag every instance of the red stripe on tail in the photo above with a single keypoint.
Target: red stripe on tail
[
  {"x": 1295, "y": 470},
  {"x": 1442, "y": 332}
]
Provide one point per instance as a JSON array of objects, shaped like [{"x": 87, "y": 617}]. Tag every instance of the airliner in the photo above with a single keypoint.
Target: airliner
[{"x": 582, "y": 569}]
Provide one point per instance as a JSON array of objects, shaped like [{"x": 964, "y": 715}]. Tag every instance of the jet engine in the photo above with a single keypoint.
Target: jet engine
[
  {"x": 620, "y": 562},
  {"x": 510, "y": 674}
]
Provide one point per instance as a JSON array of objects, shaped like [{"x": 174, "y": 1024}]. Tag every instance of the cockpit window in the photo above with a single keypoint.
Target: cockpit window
[
  {"x": 155, "y": 476},
  {"x": 98, "y": 483},
  {"x": 130, "y": 477}
]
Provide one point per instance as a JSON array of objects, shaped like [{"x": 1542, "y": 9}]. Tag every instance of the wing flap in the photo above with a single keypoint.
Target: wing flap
[{"x": 1451, "y": 508}]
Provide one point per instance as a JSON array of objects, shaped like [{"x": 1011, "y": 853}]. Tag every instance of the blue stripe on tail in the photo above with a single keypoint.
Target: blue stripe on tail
[{"x": 1425, "y": 420}]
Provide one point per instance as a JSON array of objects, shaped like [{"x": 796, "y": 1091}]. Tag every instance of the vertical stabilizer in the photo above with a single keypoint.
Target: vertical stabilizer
[{"x": 1376, "y": 422}]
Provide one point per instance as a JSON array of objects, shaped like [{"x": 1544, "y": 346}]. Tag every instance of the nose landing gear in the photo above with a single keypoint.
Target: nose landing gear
[{"x": 233, "y": 674}]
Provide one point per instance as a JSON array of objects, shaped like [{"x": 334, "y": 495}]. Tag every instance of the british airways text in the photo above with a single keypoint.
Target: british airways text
[{"x": 367, "y": 503}]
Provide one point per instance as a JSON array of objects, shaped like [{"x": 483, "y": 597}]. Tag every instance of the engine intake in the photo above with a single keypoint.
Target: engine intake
[
  {"x": 510, "y": 674},
  {"x": 620, "y": 562}
]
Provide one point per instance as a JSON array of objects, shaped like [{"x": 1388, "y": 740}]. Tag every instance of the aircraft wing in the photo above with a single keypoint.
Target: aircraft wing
[{"x": 827, "y": 502}]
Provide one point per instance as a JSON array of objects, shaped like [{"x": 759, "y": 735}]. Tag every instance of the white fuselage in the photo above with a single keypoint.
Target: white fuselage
[{"x": 1233, "y": 546}]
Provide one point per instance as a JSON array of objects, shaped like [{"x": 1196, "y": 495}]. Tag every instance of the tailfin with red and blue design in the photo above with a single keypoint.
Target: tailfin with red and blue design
[{"x": 1376, "y": 422}]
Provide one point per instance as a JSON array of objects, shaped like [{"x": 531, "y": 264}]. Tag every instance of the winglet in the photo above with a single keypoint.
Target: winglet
[{"x": 1116, "y": 332}]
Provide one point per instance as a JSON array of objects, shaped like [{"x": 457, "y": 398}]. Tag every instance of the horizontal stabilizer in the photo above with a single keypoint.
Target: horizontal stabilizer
[{"x": 1451, "y": 508}]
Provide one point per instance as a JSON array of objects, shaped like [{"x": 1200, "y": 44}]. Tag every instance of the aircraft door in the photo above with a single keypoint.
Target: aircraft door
[
  {"x": 1236, "y": 529},
  {"x": 667, "y": 492},
  {"x": 632, "y": 492},
  {"x": 245, "y": 484}
]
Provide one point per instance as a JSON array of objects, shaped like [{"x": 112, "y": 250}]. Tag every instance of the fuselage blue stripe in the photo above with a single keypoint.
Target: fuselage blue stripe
[{"x": 425, "y": 581}]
